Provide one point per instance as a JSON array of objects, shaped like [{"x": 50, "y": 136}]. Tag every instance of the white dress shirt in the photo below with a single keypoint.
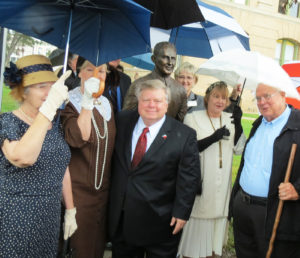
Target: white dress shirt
[{"x": 138, "y": 129}]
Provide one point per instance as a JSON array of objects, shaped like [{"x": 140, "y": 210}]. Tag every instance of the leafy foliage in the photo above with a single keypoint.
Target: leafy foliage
[{"x": 15, "y": 42}]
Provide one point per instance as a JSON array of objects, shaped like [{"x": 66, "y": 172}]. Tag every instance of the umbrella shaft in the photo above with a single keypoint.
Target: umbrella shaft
[{"x": 68, "y": 41}]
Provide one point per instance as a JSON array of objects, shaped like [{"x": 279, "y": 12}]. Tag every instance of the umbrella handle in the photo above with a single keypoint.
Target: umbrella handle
[
  {"x": 240, "y": 96},
  {"x": 101, "y": 86},
  {"x": 280, "y": 205}
]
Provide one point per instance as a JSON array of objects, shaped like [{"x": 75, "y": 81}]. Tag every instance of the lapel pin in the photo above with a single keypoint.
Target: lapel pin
[{"x": 164, "y": 136}]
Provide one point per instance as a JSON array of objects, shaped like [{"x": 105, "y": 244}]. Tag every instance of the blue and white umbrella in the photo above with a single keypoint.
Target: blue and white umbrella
[{"x": 220, "y": 32}]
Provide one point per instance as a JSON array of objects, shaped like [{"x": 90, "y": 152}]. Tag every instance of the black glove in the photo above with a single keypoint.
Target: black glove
[
  {"x": 216, "y": 136},
  {"x": 237, "y": 115},
  {"x": 237, "y": 121}
]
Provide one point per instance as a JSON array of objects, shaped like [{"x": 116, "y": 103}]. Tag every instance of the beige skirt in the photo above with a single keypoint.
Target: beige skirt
[{"x": 202, "y": 237}]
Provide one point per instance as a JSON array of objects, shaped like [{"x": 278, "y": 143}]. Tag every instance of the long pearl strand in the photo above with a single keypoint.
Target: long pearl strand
[{"x": 99, "y": 136}]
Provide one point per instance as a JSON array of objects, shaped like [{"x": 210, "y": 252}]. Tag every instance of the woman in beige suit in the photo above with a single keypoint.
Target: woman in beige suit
[{"x": 218, "y": 138}]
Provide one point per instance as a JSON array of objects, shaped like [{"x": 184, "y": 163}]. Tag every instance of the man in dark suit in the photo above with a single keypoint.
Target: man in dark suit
[{"x": 155, "y": 177}]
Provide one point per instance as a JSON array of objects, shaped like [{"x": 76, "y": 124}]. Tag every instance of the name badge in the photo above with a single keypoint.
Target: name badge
[{"x": 192, "y": 103}]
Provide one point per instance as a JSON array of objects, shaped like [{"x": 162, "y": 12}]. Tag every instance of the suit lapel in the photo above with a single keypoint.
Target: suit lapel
[{"x": 128, "y": 134}]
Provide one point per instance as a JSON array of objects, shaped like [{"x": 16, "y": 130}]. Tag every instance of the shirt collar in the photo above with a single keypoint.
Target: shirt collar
[
  {"x": 153, "y": 129},
  {"x": 286, "y": 113}
]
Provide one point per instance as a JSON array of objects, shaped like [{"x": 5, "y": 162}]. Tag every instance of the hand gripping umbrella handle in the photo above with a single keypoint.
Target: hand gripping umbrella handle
[
  {"x": 101, "y": 86},
  {"x": 280, "y": 205}
]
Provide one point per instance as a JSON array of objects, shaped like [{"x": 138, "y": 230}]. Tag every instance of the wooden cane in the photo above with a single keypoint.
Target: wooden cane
[
  {"x": 280, "y": 205},
  {"x": 101, "y": 86}
]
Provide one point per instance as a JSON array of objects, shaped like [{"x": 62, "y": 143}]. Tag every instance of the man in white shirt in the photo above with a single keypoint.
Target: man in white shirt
[{"x": 259, "y": 184}]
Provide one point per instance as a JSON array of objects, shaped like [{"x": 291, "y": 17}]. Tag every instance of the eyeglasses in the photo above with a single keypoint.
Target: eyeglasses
[
  {"x": 266, "y": 97},
  {"x": 188, "y": 78}
]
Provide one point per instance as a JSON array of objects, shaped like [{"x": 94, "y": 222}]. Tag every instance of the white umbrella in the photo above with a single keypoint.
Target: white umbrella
[{"x": 233, "y": 65}]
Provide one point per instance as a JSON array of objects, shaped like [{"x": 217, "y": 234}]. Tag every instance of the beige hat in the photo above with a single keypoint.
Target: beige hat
[{"x": 36, "y": 69}]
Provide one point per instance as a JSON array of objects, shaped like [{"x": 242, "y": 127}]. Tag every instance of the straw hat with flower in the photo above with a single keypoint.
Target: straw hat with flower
[{"x": 29, "y": 70}]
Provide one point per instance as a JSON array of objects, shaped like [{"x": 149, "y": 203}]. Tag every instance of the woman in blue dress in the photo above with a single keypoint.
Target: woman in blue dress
[{"x": 33, "y": 163}]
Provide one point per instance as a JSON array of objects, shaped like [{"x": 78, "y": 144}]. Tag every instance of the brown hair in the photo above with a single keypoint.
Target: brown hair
[
  {"x": 18, "y": 92},
  {"x": 216, "y": 86},
  {"x": 86, "y": 63}
]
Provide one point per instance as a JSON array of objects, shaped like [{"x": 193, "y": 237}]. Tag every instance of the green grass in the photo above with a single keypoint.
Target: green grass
[
  {"x": 250, "y": 115},
  {"x": 247, "y": 125},
  {"x": 8, "y": 103}
]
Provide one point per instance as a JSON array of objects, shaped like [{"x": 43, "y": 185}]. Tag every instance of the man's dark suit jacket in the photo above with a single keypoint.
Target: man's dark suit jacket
[{"x": 163, "y": 185}]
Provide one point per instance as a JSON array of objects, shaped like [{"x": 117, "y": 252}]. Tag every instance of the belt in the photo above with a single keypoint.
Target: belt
[{"x": 250, "y": 199}]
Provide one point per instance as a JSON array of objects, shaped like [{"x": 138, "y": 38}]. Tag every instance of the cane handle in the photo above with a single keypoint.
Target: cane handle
[{"x": 101, "y": 85}]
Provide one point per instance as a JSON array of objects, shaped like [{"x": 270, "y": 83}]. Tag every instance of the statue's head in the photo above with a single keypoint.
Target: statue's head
[{"x": 164, "y": 58}]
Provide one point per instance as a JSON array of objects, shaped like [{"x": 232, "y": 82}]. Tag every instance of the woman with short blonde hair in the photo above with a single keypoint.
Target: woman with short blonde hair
[{"x": 186, "y": 75}]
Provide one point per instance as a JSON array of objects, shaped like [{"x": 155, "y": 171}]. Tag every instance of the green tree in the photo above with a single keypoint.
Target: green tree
[{"x": 15, "y": 42}]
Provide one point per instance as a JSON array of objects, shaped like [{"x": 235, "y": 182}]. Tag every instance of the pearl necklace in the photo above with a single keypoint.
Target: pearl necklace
[
  {"x": 30, "y": 119},
  {"x": 99, "y": 136}
]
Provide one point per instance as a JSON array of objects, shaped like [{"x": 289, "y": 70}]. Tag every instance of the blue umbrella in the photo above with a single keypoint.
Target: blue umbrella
[
  {"x": 142, "y": 61},
  {"x": 99, "y": 30},
  {"x": 219, "y": 32}
]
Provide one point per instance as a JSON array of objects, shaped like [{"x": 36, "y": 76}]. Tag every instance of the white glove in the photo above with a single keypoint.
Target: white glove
[
  {"x": 70, "y": 224},
  {"x": 56, "y": 96},
  {"x": 90, "y": 86}
]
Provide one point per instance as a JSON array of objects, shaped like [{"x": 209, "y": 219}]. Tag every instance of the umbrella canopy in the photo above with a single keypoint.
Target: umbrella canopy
[
  {"x": 143, "y": 61},
  {"x": 293, "y": 70},
  {"x": 220, "y": 32},
  {"x": 231, "y": 66},
  {"x": 101, "y": 30},
  {"x": 168, "y": 14}
]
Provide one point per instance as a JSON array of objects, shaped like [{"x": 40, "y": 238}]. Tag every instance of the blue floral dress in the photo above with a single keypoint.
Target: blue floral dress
[{"x": 30, "y": 197}]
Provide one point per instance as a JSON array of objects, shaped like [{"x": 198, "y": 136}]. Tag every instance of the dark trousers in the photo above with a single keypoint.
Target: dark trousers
[
  {"x": 249, "y": 233},
  {"x": 123, "y": 249}
]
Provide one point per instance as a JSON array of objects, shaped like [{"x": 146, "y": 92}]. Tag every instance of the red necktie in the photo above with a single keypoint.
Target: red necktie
[{"x": 140, "y": 148}]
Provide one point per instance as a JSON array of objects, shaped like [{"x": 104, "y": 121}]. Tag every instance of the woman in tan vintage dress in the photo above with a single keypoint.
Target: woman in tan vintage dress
[
  {"x": 218, "y": 138},
  {"x": 90, "y": 131}
]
